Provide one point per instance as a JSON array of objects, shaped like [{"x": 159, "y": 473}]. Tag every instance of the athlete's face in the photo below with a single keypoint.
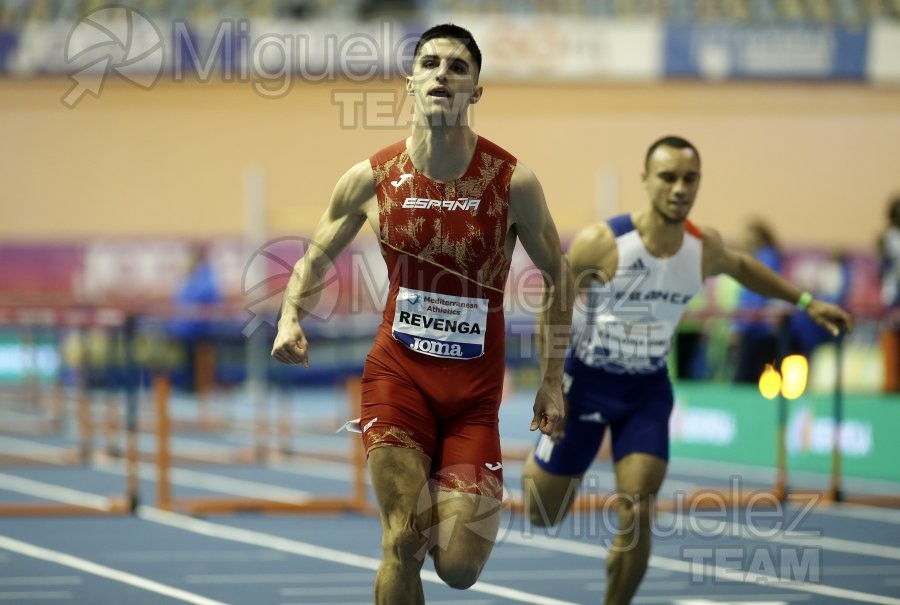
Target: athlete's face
[
  {"x": 672, "y": 180},
  {"x": 444, "y": 81}
]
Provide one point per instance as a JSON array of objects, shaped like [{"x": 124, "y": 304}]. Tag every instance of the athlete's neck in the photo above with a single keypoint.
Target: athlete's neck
[
  {"x": 661, "y": 237},
  {"x": 441, "y": 154}
]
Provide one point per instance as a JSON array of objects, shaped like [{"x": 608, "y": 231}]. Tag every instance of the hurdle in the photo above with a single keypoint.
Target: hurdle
[
  {"x": 356, "y": 500},
  {"x": 28, "y": 396},
  {"x": 199, "y": 416},
  {"x": 890, "y": 323},
  {"x": 780, "y": 491},
  {"x": 28, "y": 319},
  {"x": 123, "y": 504}
]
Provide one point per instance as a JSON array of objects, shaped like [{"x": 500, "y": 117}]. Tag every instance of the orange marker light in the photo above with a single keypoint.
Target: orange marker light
[
  {"x": 770, "y": 382},
  {"x": 794, "y": 371}
]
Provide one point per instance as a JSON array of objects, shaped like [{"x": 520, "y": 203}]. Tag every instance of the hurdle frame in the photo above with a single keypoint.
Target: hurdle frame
[
  {"x": 117, "y": 504},
  {"x": 356, "y": 502}
]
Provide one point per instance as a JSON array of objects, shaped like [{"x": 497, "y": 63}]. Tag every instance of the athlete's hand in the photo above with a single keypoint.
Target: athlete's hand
[
  {"x": 830, "y": 317},
  {"x": 290, "y": 344},
  {"x": 549, "y": 410}
]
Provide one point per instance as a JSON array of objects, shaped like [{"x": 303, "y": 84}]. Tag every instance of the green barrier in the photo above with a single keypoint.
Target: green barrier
[
  {"x": 734, "y": 423},
  {"x": 725, "y": 423},
  {"x": 23, "y": 359}
]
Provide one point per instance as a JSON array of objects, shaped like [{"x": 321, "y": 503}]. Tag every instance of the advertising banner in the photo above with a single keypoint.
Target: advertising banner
[
  {"x": 729, "y": 51},
  {"x": 730, "y": 423},
  {"x": 569, "y": 49}
]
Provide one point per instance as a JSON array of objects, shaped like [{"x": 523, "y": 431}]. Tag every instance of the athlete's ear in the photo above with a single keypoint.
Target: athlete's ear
[{"x": 476, "y": 95}]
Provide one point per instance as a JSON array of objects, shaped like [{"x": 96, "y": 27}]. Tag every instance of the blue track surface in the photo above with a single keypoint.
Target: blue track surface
[{"x": 826, "y": 554}]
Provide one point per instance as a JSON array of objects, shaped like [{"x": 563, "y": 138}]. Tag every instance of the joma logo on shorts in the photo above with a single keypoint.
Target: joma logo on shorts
[
  {"x": 433, "y": 347},
  {"x": 462, "y": 203}
]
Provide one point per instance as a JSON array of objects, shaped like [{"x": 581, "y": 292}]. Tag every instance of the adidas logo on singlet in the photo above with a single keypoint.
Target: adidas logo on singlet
[{"x": 637, "y": 265}]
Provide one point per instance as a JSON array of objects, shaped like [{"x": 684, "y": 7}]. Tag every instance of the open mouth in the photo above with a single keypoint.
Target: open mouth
[{"x": 440, "y": 92}]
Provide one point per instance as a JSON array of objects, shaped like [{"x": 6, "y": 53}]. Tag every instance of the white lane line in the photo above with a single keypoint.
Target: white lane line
[
  {"x": 863, "y": 570},
  {"x": 217, "y": 483},
  {"x": 713, "y": 469},
  {"x": 47, "y": 491},
  {"x": 40, "y": 581},
  {"x": 60, "y": 558},
  {"x": 715, "y": 527},
  {"x": 193, "y": 556},
  {"x": 731, "y": 599},
  {"x": 342, "y": 578},
  {"x": 442, "y": 602},
  {"x": 225, "y": 532},
  {"x": 279, "y": 578},
  {"x": 338, "y": 471},
  {"x": 865, "y": 513},
  {"x": 327, "y": 591},
  {"x": 36, "y": 595},
  {"x": 719, "y": 573},
  {"x": 31, "y": 448}
]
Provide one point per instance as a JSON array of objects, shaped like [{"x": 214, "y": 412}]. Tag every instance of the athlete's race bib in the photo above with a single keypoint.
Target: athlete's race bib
[
  {"x": 632, "y": 348},
  {"x": 439, "y": 325}
]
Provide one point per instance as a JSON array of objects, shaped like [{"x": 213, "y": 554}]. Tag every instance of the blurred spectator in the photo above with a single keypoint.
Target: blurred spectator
[
  {"x": 833, "y": 285},
  {"x": 192, "y": 326},
  {"x": 757, "y": 340},
  {"x": 760, "y": 341},
  {"x": 889, "y": 251}
]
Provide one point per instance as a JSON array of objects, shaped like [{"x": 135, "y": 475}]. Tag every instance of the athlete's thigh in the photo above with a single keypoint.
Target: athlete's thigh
[
  {"x": 573, "y": 453},
  {"x": 644, "y": 428},
  {"x": 400, "y": 481},
  {"x": 464, "y": 526},
  {"x": 640, "y": 474},
  {"x": 468, "y": 457},
  {"x": 553, "y": 471},
  {"x": 394, "y": 411},
  {"x": 547, "y": 497}
]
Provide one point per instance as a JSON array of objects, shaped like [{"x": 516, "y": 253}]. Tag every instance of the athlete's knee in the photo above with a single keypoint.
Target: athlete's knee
[
  {"x": 547, "y": 503},
  {"x": 458, "y": 571},
  {"x": 401, "y": 536},
  {"x": 542, "y": 514},
  {"x": 634, "y": 519}
]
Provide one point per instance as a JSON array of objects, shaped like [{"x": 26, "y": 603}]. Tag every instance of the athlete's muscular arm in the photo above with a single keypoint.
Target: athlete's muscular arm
[
  {"x": 535, "y": 229},
  {"x": 593, "y": 255},
  {"x": 586, "y": 258},
  {"x": 752, "y": 274},
  {"x": 351, "y": 202}
]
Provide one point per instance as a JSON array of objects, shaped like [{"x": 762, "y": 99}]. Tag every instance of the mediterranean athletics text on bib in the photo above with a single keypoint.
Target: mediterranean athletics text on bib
[{"x": 451, "y": 327}]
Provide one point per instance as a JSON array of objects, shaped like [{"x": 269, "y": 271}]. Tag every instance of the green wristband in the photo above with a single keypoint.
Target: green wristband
[{"x": 804, "y": 301}]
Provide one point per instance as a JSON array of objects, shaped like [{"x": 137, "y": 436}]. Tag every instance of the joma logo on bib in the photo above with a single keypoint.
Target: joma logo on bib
[
  {"x": 440, "y": 325},
  {"x": 433, "y": 347}
]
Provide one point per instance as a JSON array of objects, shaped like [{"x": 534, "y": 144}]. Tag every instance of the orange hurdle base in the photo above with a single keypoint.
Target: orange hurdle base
[
  {"x": 117, "y": 506},
  {"x": 319, "y": 505}
]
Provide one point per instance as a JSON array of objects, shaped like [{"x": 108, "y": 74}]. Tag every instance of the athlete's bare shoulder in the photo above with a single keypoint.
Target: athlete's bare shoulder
[
  {"x": 525, "y": 193},
  {"x": 717, "y": 257},
  {"x": 356, "y": 187},
  {"x": 593, "y": 254}
]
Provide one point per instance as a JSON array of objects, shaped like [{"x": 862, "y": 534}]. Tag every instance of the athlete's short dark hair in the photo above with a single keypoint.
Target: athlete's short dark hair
[
  {"x": 455, "y": 32},
  {"x": 670, "y": 141}
]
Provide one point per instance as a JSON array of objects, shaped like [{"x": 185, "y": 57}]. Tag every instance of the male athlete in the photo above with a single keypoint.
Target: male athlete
[
  {"x": 448, "y": 207},
  {"x": 639, "y": 272}
]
